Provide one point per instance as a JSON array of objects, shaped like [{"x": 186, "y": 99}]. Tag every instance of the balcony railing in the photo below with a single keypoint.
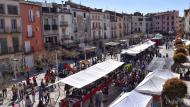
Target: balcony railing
[
  {"x": 54, "y": 27},
  {"x": 63, "y": 24},
  {"x": 46, "y": 27},
  {"x": 29, "y": 51},
  {"x": 10, "y": 30}
]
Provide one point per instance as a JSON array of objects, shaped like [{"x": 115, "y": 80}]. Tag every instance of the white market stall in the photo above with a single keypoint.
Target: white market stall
[
  {"x": 91, "y": 74},
  {"x": 136, "y": 49},
  {"x": 132, "y": 99},
  {"x": 153, "y": 82}
]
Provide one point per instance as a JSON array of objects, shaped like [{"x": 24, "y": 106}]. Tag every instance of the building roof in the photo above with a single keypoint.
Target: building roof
[
  {"x": 164, "y": 13},
  {"x": 77, "y": 6}
]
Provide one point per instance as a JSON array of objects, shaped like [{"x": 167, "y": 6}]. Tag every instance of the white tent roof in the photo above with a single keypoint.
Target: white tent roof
[
  {"x": 91, "y": 74},
  {"x": 138, "y": 48},
  {"x": 112, "y": 43},
  {"x": 132, "y": 99},
  {"x": 153, "y": 82}
]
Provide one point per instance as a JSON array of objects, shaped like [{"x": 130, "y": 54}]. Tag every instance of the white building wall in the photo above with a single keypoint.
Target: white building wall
[{"x": 187, "y": 23}]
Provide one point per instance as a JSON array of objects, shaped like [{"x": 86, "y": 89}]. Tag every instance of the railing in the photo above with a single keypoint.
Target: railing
[
  {"x": 63, "y": 24},
  {"x": 47, "y": 27},
  {"x": 54, "y": 27},
  {"x": 10, "y": 30},
  {"x": 29, "y": 51}
]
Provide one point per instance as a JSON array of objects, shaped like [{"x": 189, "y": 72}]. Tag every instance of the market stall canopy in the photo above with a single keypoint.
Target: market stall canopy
[
  {"x": 132, "y": 99},
  {"x": 69, "y": 53},
  {"x": 91, "y": 74},
  {"x": 153, "y": 82},
  {"x": 89, "y": 48},
  {"x": 111, "y": 44},
  {"x": 136, "y": 49},
  {"x": 158, "y": 36},
  {"x": 187, "y": 42}
]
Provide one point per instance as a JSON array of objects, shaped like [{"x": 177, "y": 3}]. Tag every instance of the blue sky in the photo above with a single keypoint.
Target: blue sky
[{"x": 130, "y": 6}]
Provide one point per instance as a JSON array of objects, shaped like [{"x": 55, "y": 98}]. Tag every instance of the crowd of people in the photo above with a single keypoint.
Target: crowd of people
[
  {"x": 26, "y": 91},
  {"x": 131, "y": 78}
]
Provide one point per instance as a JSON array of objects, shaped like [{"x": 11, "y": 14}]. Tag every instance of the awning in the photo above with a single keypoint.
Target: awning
[
  {"x": 91, "y": 74},
  {"x": 158, "y": 36},
  {"x": 136, "y": 49},
  {"x": 132, "y": 99},
  {"x": 111, "y": 43},
  {"x": 154, "y": 81}
]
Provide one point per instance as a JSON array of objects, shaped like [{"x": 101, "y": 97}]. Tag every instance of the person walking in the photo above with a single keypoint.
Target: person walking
[
  {"x": 21, "y": 90},
  {"x": 40, "y": 104},
  {"x": 45, "y": 95},
  {"x": 33, "y": 94},
  {"x": 28, "y": 102},
  {"x": 4, "y": 91}
]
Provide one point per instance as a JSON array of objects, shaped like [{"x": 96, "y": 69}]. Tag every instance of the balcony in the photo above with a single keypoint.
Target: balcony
[
  {"x": 63, "y": 24},
  {"x": 10, "y": 30},
  {"x": 46, "y": 27},
  {"x": 54, "y": 27},
  {"x": 29, "y": 51}
]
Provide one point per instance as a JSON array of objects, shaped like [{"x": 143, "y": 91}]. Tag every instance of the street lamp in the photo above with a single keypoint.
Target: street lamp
[{"x": 15, "y": 66}]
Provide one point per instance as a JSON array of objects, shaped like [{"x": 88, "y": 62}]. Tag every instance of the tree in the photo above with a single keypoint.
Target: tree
[
  {"x": 180, "y": 58},
  {"x": 181, "y": 50},
  {"x": 178, "y": 41},
  {"x": 173, "y": 90}
]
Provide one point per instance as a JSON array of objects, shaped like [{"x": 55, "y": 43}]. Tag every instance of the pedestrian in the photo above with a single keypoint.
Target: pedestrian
[
  {"x": 42, "y": 84},
  {"x": 4, "y": 91},
  {"x": 40, "y": 104},
  {"x": 14, "y": 91},
  {"x": 28, "y": 102},
  {"x": 41, "y": 94},
  {"x": 20, "y": 90},
  {"x": 34, "y": 81},
  {"x": 98, "y": 99},
  {"x": 33, "y": 94},
  {"x": 45, "y": 95}
]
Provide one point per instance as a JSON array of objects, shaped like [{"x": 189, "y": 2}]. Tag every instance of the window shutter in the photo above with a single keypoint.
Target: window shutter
[
  {"x": 29, "y": 28},
  {"x": 27, "y": 46}
]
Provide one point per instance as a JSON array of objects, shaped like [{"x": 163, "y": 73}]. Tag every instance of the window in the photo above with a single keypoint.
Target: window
[
  {"x": 13, "y": 24},
  {"x": 105, "y": 37},
  {"x": 2, "y": 9},
  {"x": 46, "y": 22},
  {"x": 167, "y": 23},
  {"x": 167, "y": 17},
  {"x": 172, "y": 17},
  {"x": 84, "y": 15},
  {"x": 140, "y": 24},
  {"x": 172, "y": 23},
  {"x": 30, "y": 15},
  {"x": 13, "y": 10},
  {"x": 37, "y": 14},
  {"x": 27, "y": 46},
  {"x": 2, "y": 24},
  {"x": 29, "y": 29},
  {"x": 53, "y": 21},
  {"x": 74, "y": 14}
]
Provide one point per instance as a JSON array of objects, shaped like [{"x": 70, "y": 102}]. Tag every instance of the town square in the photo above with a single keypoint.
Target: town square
[{"x": 94, "y": 53}]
